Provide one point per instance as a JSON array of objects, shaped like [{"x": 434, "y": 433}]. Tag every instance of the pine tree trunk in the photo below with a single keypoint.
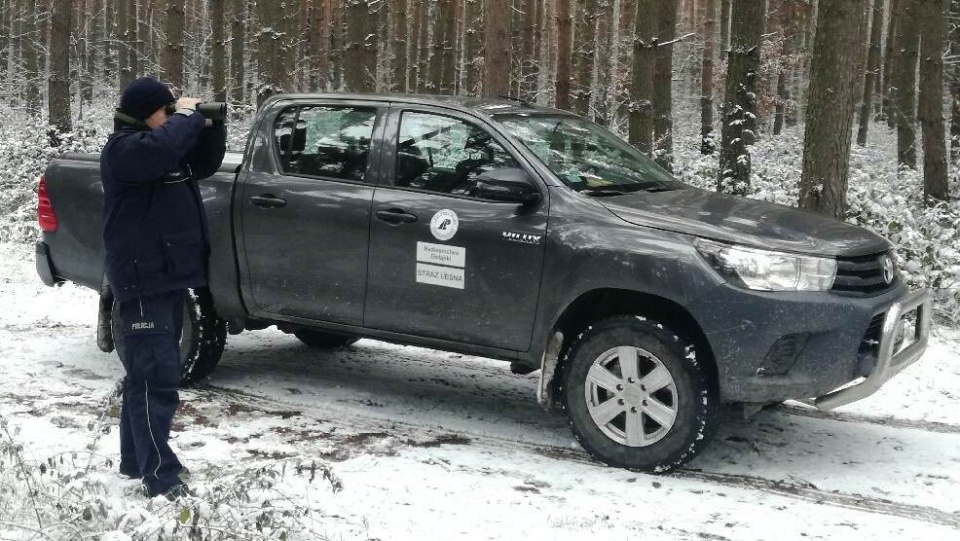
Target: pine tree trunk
[
  {"x": 360, "y": 46},
  {"x": 955, "y": 81},
  {"x": 218, "y": 54},
  {"x": 31, "y": 57},
  {"x": 423, "y": 45},
  {"x": 830, "y": 109},
  {"x": 528, "y": 43},
  {"x": 707, "y": 142},
  {"x": 337, "y": 38},
  {"x": 142, "y": 23},
  {"x": 888, "y": 65},
  {"x": 173, "y": 49},
  {"x": 238, "y": 34},
  {"x": 602, "y": 64},
  {"x": 564, "y": 54},
  {"x": 930, "y": 109},
  {"x": 905, "y": 81},
  {"x": 496, "y": 45},
  {"x": 473, "y": 28},
  {"x": 398, "y": 44},
  {"x": 740, "y": 101},
  {"x": 59, "y": 85},
  {"x": 584, "y": 48},
  {"x": 725, "y": 6},
  {"x": 873, "y": 68},
  {"x": 663, "y": 86},
  {"x": 442, "y": 60},
  {"x": 641, "y": 85}
]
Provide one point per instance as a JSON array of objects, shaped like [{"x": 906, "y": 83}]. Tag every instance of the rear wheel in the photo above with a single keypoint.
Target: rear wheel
[
  {"x": 323, "y": 340},
  {"x": 202, "y": 340},
  {"x": 636, "y": 396}
]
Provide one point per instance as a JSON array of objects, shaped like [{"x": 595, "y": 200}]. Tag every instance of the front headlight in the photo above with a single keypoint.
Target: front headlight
[{"x": 769, "y": 271}]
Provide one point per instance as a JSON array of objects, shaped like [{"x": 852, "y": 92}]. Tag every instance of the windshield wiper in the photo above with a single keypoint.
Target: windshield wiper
[{"x": 602, "y": 192}]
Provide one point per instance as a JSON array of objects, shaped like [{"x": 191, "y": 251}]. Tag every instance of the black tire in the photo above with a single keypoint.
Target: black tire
[
  {"x": 202, "y": 340},
  {"x": 323, "y": 340},
  {"x": 693, "y": 397}
]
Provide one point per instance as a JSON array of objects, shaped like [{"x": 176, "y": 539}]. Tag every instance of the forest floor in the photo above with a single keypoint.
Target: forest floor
[{"x": 423, "y": 443}]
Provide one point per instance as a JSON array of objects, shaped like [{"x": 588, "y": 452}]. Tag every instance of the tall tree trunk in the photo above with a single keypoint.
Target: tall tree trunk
[
  {"x": 443, "y": 60},
  {"x": 601, "y": 62},
  {"x": 663, "y": 85},
  {"x": 473, "y": 28},
  {"x": 740, "y": 100},
  {"x": 707, "y": 142},
  {"x": 641, "y": 86},
  {"x": 788, "y": 26},
  {"x": 931, "y": 102},
  {"x": 31, "y": 57},
  {"x": 496, "y": 44},
  {"x": 905, "y": 81},
  {"x": 528, "y": 44},
  {"x": 584, "y": 48},
  {"x": 360, "y": 46},
  {"x": 830, "y": 109},
  {"x": 398, "y": 44},
  {"x": 888, "y": 64},
  {"x": 238, "y": 34},
  {"x": 725, "y": 6},
  {"x": 337, "y": 37},
  {"x": 218, "y": 55},
  {"x": 873, "y": 68},
  {"x": 423, "y": 45},
  {"x": 59, "y": 85},
  {"x": 564, "y": 54},
  {"x": 173, "y": 50},
  {"x": 272, "y": 48},
  {"x": 955, "y": 81},
  {"x": 129, "y": 60}
]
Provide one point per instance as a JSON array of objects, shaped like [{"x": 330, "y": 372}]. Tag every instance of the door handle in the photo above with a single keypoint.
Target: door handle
[
  {"x": 396, "y": 216},
  {"x": 268, "y": 201}
]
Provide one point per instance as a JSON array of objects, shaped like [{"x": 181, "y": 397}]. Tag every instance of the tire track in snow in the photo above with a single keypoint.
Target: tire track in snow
[
  {"x": 892, "y": 422},
  {"x": 794, "y": 490}
]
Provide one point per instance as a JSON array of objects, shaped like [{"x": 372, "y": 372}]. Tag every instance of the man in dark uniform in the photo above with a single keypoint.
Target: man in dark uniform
[{"x": 155, "y": 236}]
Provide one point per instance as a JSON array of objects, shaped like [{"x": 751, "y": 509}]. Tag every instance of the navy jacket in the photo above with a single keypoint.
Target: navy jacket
[{"x": 154, "y": 224}]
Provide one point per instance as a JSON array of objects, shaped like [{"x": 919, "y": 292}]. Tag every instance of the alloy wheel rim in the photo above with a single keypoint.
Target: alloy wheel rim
[{"x": 631, "y": 396}]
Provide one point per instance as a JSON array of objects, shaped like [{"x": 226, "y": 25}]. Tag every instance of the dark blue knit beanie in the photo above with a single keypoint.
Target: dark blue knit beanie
[{"x": 144, "y": 96}]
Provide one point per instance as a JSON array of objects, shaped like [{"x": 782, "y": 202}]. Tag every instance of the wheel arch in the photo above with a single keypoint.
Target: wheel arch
[{"x": 597, "y": 304}]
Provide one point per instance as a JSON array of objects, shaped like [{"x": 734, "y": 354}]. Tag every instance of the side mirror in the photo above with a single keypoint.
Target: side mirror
[{"x": 512, "y": 185}]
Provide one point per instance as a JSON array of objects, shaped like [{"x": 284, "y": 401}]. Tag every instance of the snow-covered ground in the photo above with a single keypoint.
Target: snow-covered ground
[{"x": 434, "y": 444}]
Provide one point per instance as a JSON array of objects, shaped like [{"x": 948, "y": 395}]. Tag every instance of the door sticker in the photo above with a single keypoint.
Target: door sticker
[
  {"x": 441, "y": 265},
  {"x": 444, "y": 224}
]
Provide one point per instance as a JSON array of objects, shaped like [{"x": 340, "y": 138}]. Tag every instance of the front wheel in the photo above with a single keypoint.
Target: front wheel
[
  {"x": 202, "y": 340},
  {"x": 636, "y": 396}
]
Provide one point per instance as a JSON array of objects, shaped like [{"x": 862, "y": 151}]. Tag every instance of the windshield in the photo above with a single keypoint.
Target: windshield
[{"x": 587, "y": 157}]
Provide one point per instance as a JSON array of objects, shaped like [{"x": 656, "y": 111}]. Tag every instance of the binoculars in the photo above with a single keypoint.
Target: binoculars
[{"x": 214, "y": 110}]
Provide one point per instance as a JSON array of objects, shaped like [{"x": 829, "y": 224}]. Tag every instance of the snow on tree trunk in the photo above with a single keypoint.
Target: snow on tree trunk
[
  {"x": 830, "y": 107},
  {"x": 218, "y": 54},
  {"x": 59, "y": 84},
  {"x": 496, "y": 45},
  {"x": 564, "y": 53},
  {"x": 473, "y": 40},
  {"x": 707, "y": 142},
  {"x": 584, "y": 49},
  {"x": 873, "y": 68},
  {"x": 641, "y": 87},
  {"x": 360, "y": 46},
  {"x": 904, "y": 91},
  {"x": 930, "y": 110},
  {"x": 443, "y": 60},
  {"x": 740, "y": 100},
  {"x": 663, "y": 85},
  {"x": 173, "y": 49}
]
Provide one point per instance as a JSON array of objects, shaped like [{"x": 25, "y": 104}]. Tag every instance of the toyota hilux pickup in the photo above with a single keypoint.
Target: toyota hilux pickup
[{"x": 530, "y": 235}]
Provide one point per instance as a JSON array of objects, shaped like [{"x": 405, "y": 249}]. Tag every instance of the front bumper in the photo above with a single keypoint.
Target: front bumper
[
  {"x": 776, "y": 346},
  {"x": 890, "y": 361}
]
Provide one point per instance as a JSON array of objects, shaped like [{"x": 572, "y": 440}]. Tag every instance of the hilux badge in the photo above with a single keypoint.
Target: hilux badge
[{"x": 444, "y": 224}]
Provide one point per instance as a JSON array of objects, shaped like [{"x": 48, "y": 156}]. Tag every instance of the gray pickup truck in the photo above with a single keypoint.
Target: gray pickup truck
[{"x": 499, "y": 229}]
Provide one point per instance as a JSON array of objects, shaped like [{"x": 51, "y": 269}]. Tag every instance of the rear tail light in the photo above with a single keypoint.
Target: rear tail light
[{"x": 45, "y": 214}]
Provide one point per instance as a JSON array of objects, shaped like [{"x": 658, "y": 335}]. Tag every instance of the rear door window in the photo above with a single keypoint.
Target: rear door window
[{"x": 325, "y": 141}]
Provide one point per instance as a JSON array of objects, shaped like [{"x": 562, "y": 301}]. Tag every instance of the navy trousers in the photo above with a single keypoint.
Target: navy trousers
[{"x": 150, "y": 354}]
